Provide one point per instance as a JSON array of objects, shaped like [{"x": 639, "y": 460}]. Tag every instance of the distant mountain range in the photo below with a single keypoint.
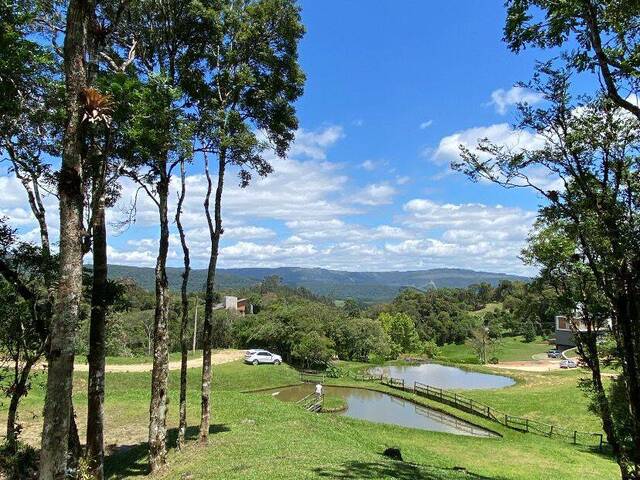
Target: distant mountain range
[{"x": 339, "y": 285}]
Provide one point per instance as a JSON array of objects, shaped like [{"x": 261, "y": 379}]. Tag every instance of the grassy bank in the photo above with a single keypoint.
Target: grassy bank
[
  {"x": 511, "y": 349},
  {"x": 257, "y": 436}
]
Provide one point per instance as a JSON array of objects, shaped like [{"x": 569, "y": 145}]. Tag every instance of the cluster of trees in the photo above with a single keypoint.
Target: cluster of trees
[
  {"x": 310, "y": 330},
  {"x": 587, "y": 237},
  {"x": 92, "y": 92},
  {"x": 452, "y": 315}
]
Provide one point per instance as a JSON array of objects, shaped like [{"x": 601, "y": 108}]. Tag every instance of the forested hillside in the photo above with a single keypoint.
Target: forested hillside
[{"x": 368, "y": 287}]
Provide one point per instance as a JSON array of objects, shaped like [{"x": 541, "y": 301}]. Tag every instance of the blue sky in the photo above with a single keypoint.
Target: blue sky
[{"x": 392, "y": 89}]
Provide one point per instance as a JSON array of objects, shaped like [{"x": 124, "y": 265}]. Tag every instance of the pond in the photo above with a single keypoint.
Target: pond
[
  {"x": 384, "y": 408},
  {"x": 444, "y": 376}
]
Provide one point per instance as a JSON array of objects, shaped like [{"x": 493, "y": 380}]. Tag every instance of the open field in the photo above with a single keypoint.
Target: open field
[
  {"x": 511, "y": 349},
  {"x": 257, "y": 436}
]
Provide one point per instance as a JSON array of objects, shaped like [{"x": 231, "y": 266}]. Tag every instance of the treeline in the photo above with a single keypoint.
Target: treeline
[{"x": 309, "y": 330}]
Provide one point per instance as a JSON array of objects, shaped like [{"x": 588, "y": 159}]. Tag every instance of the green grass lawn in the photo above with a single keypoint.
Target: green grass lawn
[
  {"x": 488, "y": 308},
  {"x": 511, "y": 349},
  {"x": 256, "y": 436}
]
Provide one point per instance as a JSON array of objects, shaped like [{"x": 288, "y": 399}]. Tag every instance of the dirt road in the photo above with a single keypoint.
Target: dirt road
[{"x": 217, "y": 358}]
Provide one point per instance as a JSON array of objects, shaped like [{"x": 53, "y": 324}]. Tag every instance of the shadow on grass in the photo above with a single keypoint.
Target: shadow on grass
[
  {"x": 396, "y": 469},
  {"x": 131, "y": 460}
]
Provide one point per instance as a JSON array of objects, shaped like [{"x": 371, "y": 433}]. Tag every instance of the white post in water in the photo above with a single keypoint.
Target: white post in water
[{"x": 195, "y": 326}]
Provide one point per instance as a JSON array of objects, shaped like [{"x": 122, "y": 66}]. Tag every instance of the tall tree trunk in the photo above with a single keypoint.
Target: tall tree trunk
[
  {"x": 628, "y": 326},
  {"x": 159, "y": 374},
  {"x": 57, "y": 408},
  {"x": 184, "y": 323},
  {"x": 95, "y": 390},
  {"x": 215, "y": 231}
]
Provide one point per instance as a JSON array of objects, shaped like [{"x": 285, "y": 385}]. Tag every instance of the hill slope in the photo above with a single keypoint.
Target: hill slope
[{"x": 364, "y": 286}]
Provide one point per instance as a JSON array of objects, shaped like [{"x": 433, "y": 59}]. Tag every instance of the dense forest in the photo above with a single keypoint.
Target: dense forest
[{"x": 309, "y": 330}]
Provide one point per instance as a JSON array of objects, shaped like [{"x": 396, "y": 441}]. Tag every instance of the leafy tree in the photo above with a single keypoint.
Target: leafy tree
[
  {"x": 401, "y": 331},
  {"x": 242, "y": 75},
  {"x": 358, "y": 338},
  {"x": 439, "y": 315},
  {"x": 313, "y": 349},
  {"x": 26, "y": 310},
  {"x": 591, "y": 146},
  {"x": 352, "y": 308},
  {"x": 529, "y": 332},
  {"x": 598, "y": 35}
]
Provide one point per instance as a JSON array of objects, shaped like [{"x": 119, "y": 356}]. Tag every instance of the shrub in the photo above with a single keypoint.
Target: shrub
[{"x": 19, "y": 462}]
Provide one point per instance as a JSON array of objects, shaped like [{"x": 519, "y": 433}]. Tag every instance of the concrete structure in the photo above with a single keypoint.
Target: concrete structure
[
  {"x": 565, "y": 327},
  {"x": 235, "y": 304}
]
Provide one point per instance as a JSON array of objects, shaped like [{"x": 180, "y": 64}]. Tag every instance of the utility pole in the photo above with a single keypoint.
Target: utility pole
[{"x": 195, "y": 326}]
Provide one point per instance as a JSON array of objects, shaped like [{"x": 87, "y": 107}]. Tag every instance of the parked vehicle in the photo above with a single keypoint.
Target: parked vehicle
[
  {"x": 256, "y": 357},
  {"x": 568, "y": 364},
  {"x": 554, "y": 354}
]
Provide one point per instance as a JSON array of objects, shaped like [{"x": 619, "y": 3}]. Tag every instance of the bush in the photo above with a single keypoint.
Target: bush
[
  {"x": 21, "y": 462},
  {"x": 430, "y": 349},
  {"x": 529, "y": 332},
  {"x": 334, "y": 371}
]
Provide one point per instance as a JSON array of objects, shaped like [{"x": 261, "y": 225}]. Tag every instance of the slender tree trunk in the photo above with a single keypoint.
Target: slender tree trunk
[
  {"x": 195, "y": 326},
  {"x": 215, "y": 231},
  {"x": 19, "y": 390},
  {"x": 588, "y": 350},
  {"x": 184, "y": 323},
  {"x": 57, "y": 408},
  {"x": 95, "y": 391},
  {"x": 159, "y": 374}
]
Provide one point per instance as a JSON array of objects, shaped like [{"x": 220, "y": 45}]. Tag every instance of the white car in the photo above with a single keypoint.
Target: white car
[
  {"x": 256, "y": 357},
  {"x": 568, "y": 364}
]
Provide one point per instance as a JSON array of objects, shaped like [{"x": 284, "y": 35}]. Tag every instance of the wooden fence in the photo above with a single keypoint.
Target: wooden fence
[
  {"x": 475, "y": 407},
  {"x": 511, "y": 421},
  {"x": 312, "y": 377}
]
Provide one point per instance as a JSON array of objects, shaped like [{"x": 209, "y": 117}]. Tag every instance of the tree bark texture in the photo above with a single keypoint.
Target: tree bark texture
[
  {"x": 159, "y": 374},
  {"x": 215, "y": 231},
  {"x": 184, "y": 319},
  {"x": 57, "y": 408},
  {"x": 97, "y": 338}
]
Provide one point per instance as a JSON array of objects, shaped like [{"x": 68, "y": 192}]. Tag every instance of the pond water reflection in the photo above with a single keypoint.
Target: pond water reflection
[
  {"x": 384, "y": 408},
  {"x": 444, "y": 376}
]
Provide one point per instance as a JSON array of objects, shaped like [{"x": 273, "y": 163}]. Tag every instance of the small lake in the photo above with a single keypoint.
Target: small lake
[
  {"x": 384, "y": 408},
  {"x": 444, "y": 376}
]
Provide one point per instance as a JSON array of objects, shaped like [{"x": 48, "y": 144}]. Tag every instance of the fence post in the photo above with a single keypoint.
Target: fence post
[
  {"x": 551, "y": 432},
  {"x": 575, "y": 437},
  {"x": 455, "y": 399},
  {"x": 600, "y": 446},
  {"x": 526, "y": 423},
  {"x": 506, "y": 420},
  {"x": 488, "y": 411}
]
